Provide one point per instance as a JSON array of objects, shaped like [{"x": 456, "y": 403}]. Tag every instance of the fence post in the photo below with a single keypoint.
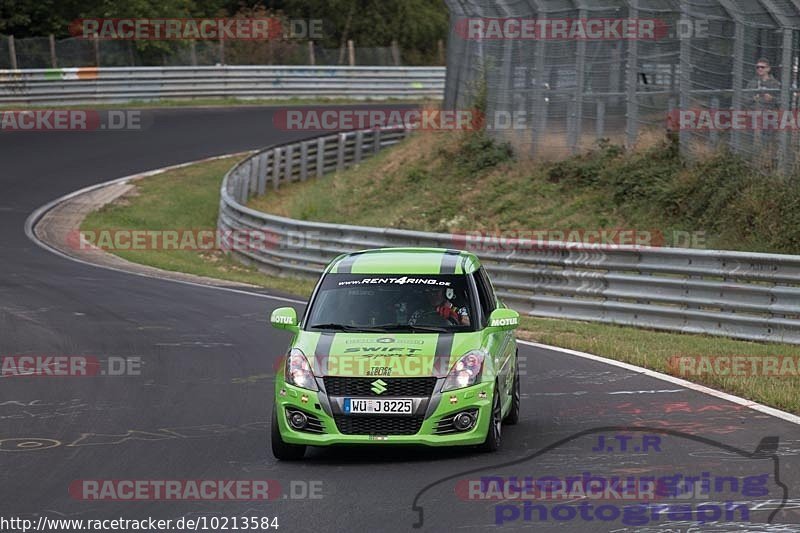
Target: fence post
[
  {"x": 276, "y": 167},
  {"x": 288, "y": 163},
  {"x": 193, "y": 52},
  {"x": 351, "y": 53},
  {"x": 222, "y": 51},
  {"x": 12, "y": 52},
  {"x": 340, "y": 152},
  {"x": 440, "y": 52},
  {"x": 685, "y": 82},
  {"x": 320, "y": 157},
  {"x": 53, "y": 58},
  {"x": 303, "y": 162},
  {"x": 632, "y": 80},
  {"x": 312, "y": 59},
  {"x": 784, "y": 155},
  {"x": 738, "y": 81},
  {"x": 359, "y": 146},
  {"x": 600, "y": 125},
  {"x": 96, "y": 43},
  {"x": 395, "y": 53},
  {"x": 539, "y": 106},
  {"x": 580, "y": 68},
  {"x": 714, "y": 134}
]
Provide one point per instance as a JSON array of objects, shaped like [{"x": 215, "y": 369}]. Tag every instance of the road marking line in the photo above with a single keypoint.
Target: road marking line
[{"x": 755, "y": 406}]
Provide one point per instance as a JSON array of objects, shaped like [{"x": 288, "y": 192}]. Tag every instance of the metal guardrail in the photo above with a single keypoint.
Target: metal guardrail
[
  {"x": 741, "y": 295},
  {"x": 111, "y": 85}
]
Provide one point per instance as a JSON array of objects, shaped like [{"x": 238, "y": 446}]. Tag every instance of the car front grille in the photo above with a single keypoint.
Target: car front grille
[
  {"x": 395, "y": 387},
  {"x": 378, "y": 425}
]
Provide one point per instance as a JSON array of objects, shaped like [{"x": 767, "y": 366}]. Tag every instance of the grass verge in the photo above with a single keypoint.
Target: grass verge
[
  {"x": 188, "y": 198},
  {"x": 185, "y": 198}
]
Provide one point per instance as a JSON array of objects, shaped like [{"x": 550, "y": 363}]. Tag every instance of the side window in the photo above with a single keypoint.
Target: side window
[
  {"x": 485, "y": 293},
  {"x": 489, "y": 289}
]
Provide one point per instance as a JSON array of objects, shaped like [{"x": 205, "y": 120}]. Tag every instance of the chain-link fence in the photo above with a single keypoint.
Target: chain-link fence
[
  {"x": 48, "y": 52},
  {"x": 557, "y": 75}
]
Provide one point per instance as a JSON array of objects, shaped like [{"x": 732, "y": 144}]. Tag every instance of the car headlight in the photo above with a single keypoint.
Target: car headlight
[
  {"x": 298, "y": 371},
  {"x": 466, "y": 372}
]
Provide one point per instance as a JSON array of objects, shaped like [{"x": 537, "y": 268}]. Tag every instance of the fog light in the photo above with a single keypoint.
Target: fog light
[
  {"x": 463, "y": 421},
  {"x": 298, "y": 420}
]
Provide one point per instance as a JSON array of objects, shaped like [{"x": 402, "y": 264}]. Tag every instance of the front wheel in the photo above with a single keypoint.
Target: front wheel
[
  {"x": 284, "y": 451},
  {"x": 513, "y": 414},
  {"x": 494, "y": 435}
]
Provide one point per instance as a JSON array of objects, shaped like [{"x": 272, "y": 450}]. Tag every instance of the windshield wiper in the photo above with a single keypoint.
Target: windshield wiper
[
  {"x": 338, "y": 327},
  {"x": 402, "y": 327}
]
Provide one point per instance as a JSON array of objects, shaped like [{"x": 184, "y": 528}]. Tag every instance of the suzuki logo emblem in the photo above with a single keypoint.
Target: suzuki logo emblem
[{"x": 378, "y": 386}]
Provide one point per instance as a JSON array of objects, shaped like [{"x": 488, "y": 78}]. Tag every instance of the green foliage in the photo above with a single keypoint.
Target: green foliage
[
  {"x": 416, "y": 25},
  {"x": 478, "y": 152}
]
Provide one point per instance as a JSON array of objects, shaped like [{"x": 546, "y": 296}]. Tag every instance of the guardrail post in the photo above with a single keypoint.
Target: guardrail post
[
  {"x": 288, "y": 163},
  {"x": 276, "y": 167},
  {"x": 359, "y": 146},
  {"x": 376, "y": 140},
  {"x": 252, "y": 179},
  {"x": 303, "y": 161},
  {"x": 243, "y": 183},
  {"x": 340, "y": 152},
  {"x": 262, "y": 173},
  {"x": 320, "y": 157}
]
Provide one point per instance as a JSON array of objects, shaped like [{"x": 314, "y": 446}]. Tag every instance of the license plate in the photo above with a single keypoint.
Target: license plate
[{"x": 378, "y": 407}]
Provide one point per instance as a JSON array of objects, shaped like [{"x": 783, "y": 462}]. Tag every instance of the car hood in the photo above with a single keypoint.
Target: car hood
[{"x": 385, "y": 354}]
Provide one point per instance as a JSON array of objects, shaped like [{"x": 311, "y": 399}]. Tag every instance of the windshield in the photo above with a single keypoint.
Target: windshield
[{"x": 382, "y": 303}]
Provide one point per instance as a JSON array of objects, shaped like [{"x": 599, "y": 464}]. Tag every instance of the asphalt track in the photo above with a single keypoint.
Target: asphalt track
[{"x": 199, "y": 409}]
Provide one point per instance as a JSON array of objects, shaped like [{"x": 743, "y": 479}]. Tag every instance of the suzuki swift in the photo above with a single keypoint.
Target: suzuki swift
[{"x": 397, "y": 346}]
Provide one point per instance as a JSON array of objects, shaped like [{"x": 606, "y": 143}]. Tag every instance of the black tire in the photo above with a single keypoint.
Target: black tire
[
  {"x": 494, "y": 434},
  {"x": 513, "y": 414},
  {"x": 281, "y": 450}
]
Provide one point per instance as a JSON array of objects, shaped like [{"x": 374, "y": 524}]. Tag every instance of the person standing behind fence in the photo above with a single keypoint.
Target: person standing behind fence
[
  {"x": 763, "y": 96},
  {"x": 769, "y": 99}
]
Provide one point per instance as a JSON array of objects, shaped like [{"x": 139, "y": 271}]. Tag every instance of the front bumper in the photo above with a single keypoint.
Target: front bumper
[{"x": 477, "y": 399}]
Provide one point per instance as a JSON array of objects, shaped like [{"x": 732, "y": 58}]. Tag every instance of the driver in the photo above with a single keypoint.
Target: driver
[{"x": 442, "y": 306}]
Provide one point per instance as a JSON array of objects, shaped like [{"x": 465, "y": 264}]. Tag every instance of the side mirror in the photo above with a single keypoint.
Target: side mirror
[
  {"x": 504, "y": 320},
  {"x": 285, "y": 318}
]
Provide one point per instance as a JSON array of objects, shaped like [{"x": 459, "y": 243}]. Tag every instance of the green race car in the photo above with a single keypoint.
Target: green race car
[{"x": 397, "y": 346}]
